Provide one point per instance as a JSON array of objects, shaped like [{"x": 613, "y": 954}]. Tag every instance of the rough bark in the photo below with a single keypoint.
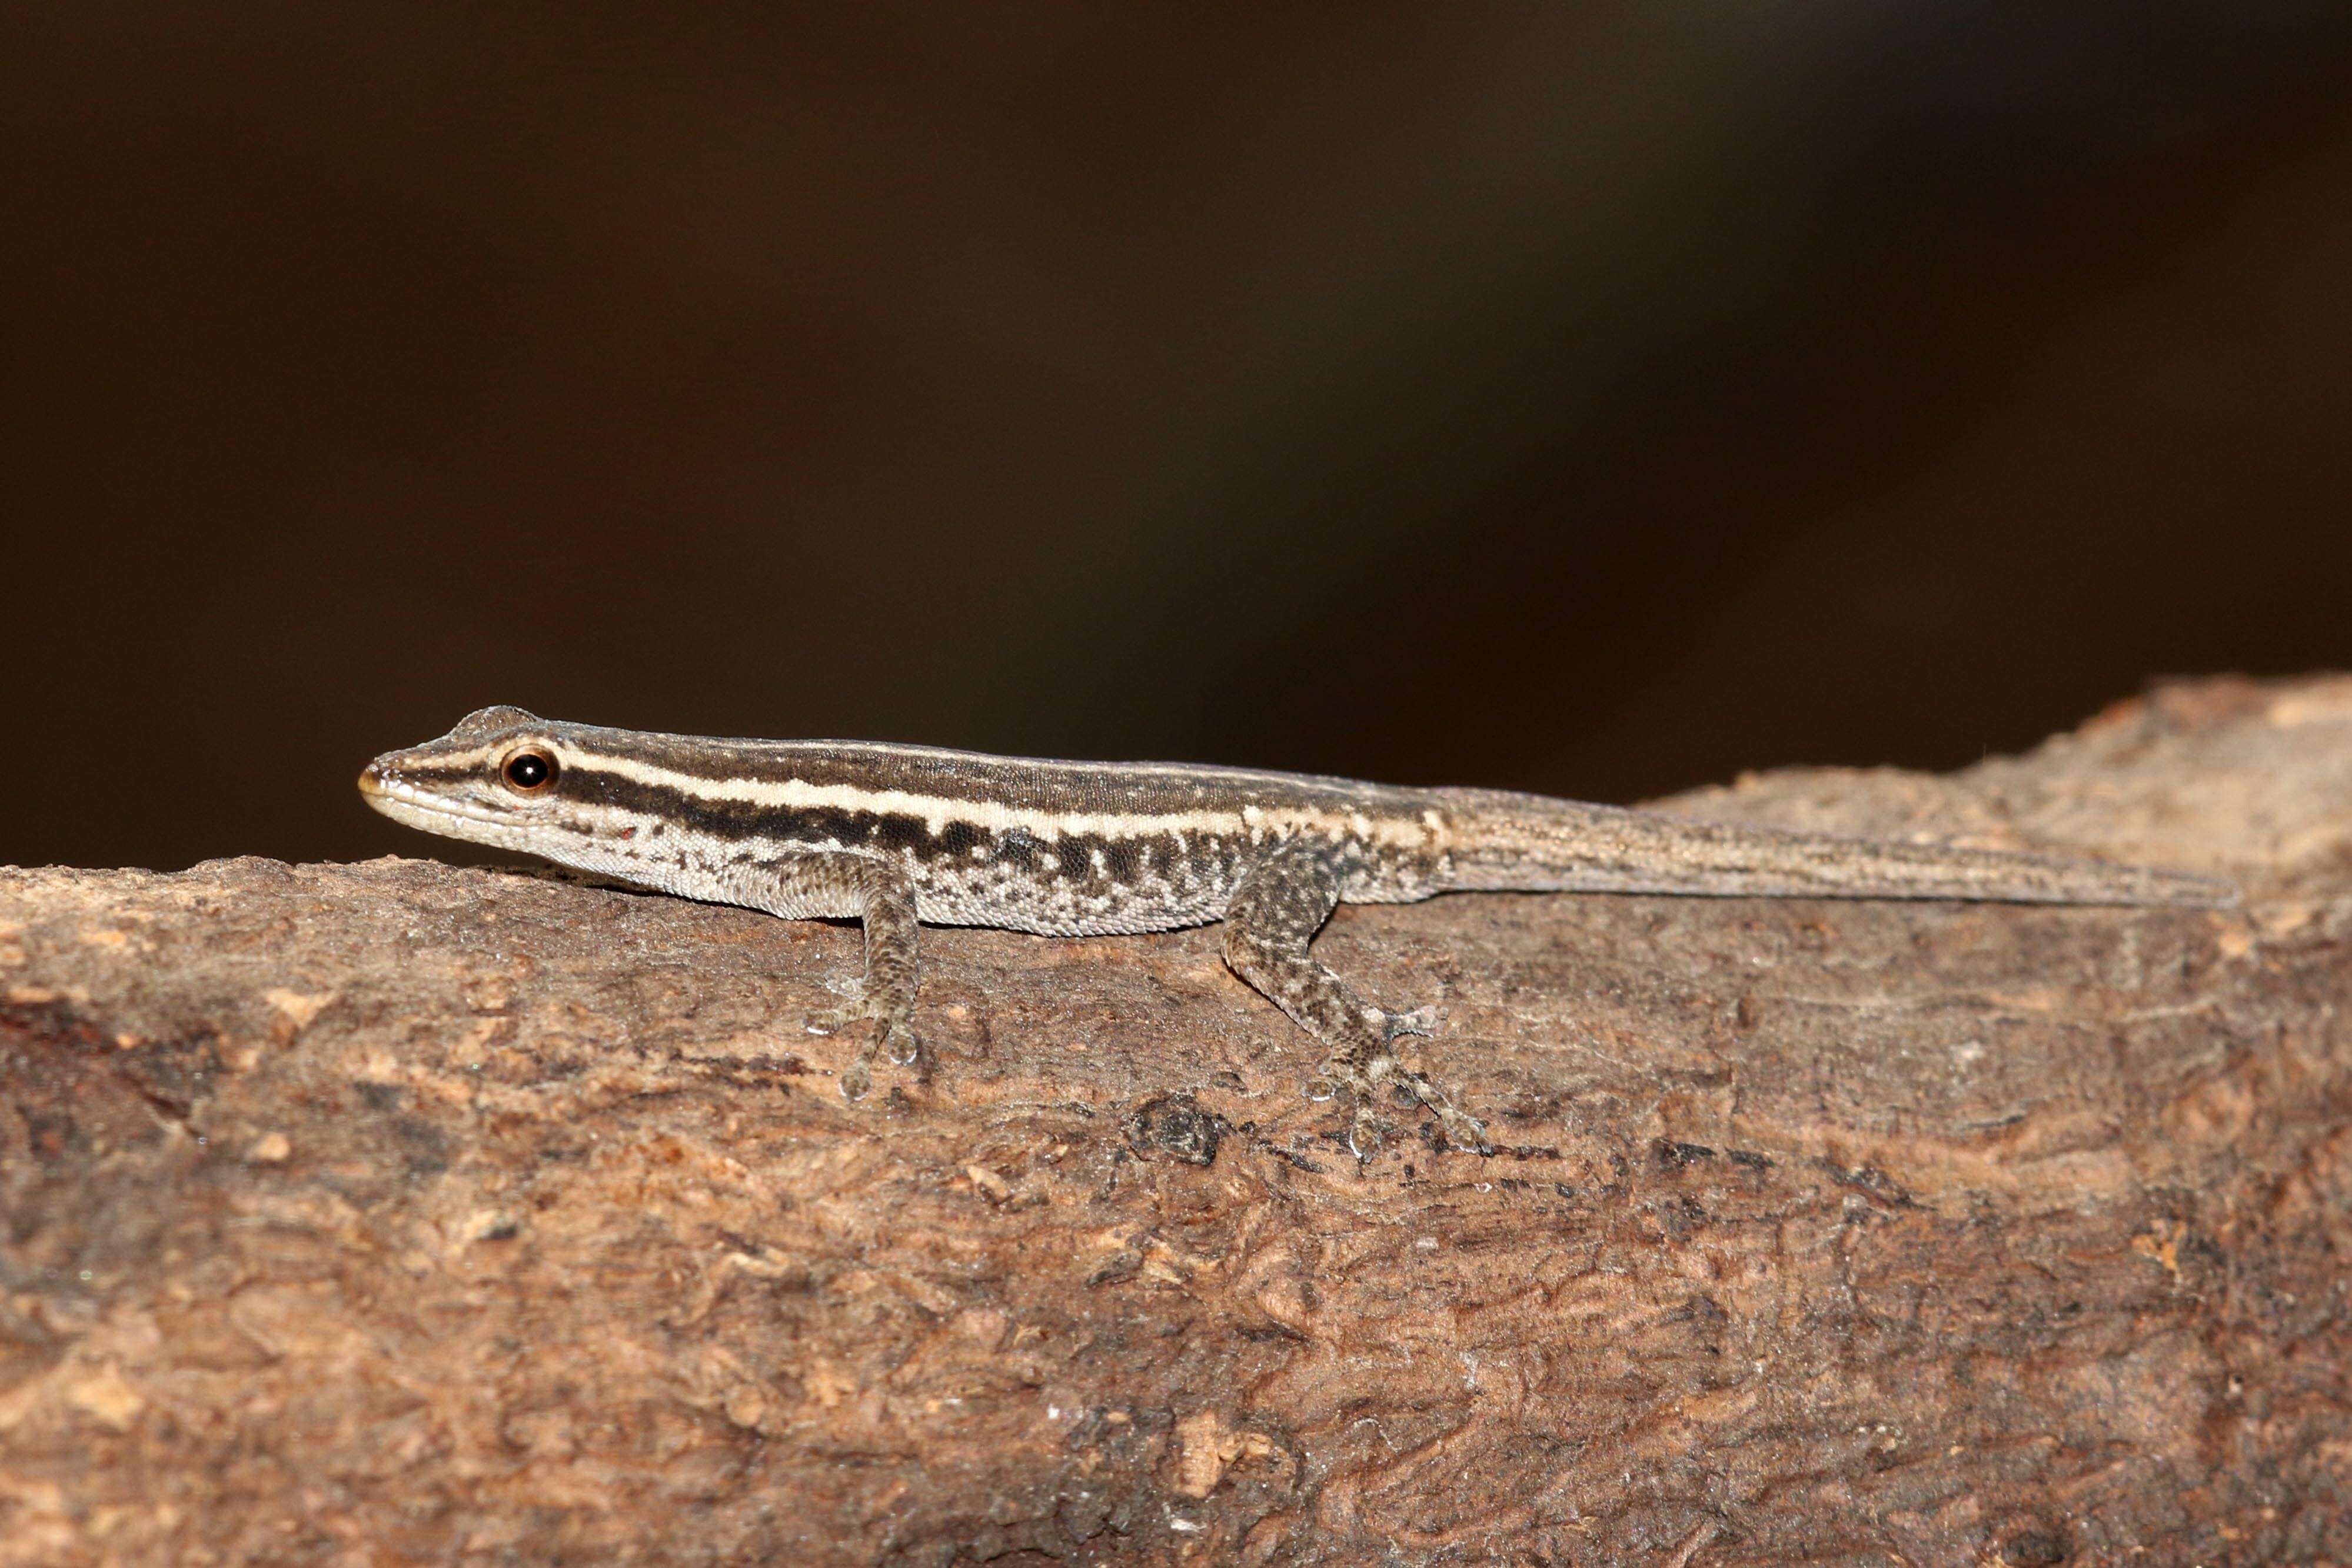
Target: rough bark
[{"x": 403, "y": 1214}]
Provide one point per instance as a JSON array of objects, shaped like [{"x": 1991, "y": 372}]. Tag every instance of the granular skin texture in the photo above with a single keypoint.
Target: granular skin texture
[{"x": 399, "y": 1213}]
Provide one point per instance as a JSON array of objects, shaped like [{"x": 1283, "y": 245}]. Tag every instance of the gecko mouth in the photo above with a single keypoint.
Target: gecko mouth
[{"x": 404, "y": 803}]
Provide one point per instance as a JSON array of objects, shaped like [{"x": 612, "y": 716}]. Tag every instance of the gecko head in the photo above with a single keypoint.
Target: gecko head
[{"x": 496, "y": 778}]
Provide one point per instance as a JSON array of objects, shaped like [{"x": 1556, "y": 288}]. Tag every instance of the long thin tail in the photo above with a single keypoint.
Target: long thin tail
[{"x": 1504, "y": 842}]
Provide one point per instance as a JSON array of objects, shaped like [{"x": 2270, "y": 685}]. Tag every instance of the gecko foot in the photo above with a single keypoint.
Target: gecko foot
[
  {"x": 1408, "y": 1088},
  {"x": 896, "y": 1038}
]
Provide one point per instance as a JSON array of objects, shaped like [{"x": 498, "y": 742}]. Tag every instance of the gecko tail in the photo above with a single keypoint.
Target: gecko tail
[{"x": 1510, "y": 842}]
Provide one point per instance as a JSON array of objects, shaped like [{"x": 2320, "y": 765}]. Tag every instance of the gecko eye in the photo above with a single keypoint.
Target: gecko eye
[{"x": 529, "y": 773}]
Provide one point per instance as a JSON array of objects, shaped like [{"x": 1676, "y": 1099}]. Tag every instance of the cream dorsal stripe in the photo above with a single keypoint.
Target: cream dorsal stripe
[{"x": 936, "y": 810}]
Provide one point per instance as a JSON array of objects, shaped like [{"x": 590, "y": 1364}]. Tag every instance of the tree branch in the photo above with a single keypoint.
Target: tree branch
[{"x": 399, "y": 1213}]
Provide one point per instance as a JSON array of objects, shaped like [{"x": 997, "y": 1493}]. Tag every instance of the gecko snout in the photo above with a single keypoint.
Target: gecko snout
[{"x": 385, "y": 778}]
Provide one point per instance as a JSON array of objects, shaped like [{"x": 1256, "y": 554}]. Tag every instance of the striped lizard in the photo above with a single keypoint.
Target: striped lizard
[{"x": 898, "y": 835}]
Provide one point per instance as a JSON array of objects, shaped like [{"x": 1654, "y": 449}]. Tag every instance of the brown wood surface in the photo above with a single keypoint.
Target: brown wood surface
[{"x": 403, "y": 1214}]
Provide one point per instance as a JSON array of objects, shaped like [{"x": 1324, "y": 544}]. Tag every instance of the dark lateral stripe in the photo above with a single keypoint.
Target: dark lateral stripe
[
  {"x": 1070, "y": 856},
  {"x": 741, "y": 822},
  {"x": 423, "y": 768}
]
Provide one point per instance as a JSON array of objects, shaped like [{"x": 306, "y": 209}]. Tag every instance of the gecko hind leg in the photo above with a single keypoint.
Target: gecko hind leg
[{"x": 1275, "y": 913}]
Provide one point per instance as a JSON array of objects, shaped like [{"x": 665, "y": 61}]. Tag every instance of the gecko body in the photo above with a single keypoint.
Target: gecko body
[{"x": 902, "y": 835}]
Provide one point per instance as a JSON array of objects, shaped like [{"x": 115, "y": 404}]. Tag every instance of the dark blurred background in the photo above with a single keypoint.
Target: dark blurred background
[{"x": 1593, "y": 399}]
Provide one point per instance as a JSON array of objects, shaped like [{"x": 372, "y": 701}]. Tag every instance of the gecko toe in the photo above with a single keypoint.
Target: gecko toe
[
  {"x": 1465, "y": 1132},
  {"x": 832, "y": 1020},
  {"x": 902, "y": 1046},
  {"x": 857, "y": 1081},
  {"x": 1461, "y": 1129},
  {"x": 1419, "y": 1021}
]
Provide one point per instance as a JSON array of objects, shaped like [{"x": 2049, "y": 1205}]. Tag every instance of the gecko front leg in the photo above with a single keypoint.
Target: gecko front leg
[
  {"x": 882, "y": 897},
  {"x": 1281, "y": 904}
]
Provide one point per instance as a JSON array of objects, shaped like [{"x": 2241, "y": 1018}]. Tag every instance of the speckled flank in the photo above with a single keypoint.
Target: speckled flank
[{"x": 898, "y": 834}]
